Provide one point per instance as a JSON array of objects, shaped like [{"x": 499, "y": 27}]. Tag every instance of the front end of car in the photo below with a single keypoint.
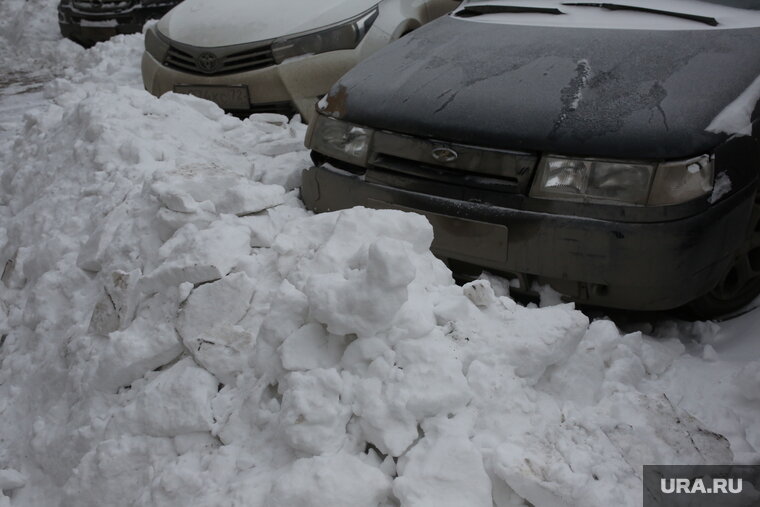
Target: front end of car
[
  {"x": 649, "y": 213},
  {"x": 88, "y": 22},
  {"x": 282, "y": 75},
  {"x": 612, "y": 233}
]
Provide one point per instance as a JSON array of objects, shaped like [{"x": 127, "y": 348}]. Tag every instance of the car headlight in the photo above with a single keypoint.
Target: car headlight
[
  {"x": 628, "y": 183},
  {"x": 345, "y": 35},
  {"x": 678, "y": 182},
  {"x": 154, "y": 45},
  {"x": 339, "y": 139}
]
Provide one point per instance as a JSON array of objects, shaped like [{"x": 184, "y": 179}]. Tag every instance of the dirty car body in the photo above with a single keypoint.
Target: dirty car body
[
  {"x": 612, "y": 155},
  {"x": 88, "y": 22}
]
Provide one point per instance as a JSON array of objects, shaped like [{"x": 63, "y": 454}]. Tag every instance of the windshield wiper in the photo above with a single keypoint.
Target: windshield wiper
[
  {"x": 617, "y": 7},
  {"x": 477, "y": 10}
]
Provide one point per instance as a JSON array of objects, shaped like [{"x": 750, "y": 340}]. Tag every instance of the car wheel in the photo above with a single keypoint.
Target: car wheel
[{"x": 742, "y": 282}]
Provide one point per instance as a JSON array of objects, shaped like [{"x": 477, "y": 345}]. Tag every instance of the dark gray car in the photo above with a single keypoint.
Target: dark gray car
[
  {"x": 608, "y": 150},
  {"x": 88, "y": 22}
]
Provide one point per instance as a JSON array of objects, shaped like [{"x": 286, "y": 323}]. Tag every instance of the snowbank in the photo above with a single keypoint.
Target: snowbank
[{"x": 178, "y": 330}]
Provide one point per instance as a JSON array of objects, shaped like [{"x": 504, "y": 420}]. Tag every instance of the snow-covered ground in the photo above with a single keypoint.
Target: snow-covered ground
[{"x": 176, "y": 330}]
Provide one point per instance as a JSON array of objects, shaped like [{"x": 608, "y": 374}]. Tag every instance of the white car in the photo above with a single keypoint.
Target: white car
[{"x": 272, "y": 55}]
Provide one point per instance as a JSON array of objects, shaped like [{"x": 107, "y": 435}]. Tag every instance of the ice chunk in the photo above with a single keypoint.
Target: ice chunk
[
  {"x": 196, "y": 256},
  {"x": 340, "y": 480}
]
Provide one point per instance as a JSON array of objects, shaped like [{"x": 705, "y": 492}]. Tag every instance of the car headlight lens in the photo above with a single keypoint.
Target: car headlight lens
[
  {"x": 345, "y": 35},
  {"x": 678, "y": 182},
  {"x": 627, "y": 183},
  {"x": 339, "y": 139},
  {"x": 593, "y": 180},
  {"x": 154, "y": 45}
]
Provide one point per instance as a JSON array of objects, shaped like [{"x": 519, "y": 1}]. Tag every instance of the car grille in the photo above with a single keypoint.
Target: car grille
[
  {"x": 97, "y": 6},
  {"x": 190, "y": 60},
  {"x": 406, "y": 160}
]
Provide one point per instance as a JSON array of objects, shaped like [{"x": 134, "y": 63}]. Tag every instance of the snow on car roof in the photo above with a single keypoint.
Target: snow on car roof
[{"x": 597, "y": 17}]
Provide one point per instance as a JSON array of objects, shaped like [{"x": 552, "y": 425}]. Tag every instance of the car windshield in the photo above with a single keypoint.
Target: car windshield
[{"x": 739, "y": 4}]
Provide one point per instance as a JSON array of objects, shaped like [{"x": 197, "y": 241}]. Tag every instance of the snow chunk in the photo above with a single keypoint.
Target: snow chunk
[
  {"x": 444, "y": 469},
  {"x": 176, "y": 402},
  {"x": 735, "y": 118},
  {"x": 311, "y": 347},
  {"x": 721, "y": 187},
  {"x": 11, "y": 479},
  {"x": 208, "y": 325},
  {"x": 191, "y": 191},
  {"x": 148, "y": 342},
  {"x": 365, "y": 301},
  {"x": 338, "y": 481},
  {"x": 313, "y": 417},
  {"x": 196, "y": 256}
]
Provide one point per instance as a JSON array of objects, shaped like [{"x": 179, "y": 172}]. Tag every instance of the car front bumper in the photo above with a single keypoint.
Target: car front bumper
[
  {"x": 90, "y": 27},
  {"x": 294, "y": 84},
  {"x": 633, "y": 266}
]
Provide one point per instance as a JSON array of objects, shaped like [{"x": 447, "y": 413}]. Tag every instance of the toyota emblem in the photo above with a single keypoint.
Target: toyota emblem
[
  {"x": 443, "y": 154},
  {"x": 207, "y": 62}
]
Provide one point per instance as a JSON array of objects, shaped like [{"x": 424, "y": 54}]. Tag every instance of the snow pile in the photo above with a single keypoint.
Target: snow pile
[
  {"x": 179, "y": 331},
  {"x": 175, "y": 329}
]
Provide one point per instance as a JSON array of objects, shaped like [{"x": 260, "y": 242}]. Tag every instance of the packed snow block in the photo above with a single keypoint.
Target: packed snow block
[
  {"x": 311, "y": 347},
  {"x": 287, "y": 313},
  {"x": 340, "y": 241},
  {"x": 313, "y": 417},
  {"x": 443, "y": 471},
  {"x": 656, "y": 431},
  {"x": 340, "y": 480},
  {"x": 176, "y": 402},
  {"x": 208, "y": 325},
  {"x": 594, "y": 457},
  {"x": 366, "y": 300},
  {"x": 432, "y": 381},
  {"x": 399, "y": 389},
  {"x": 148, "y": 342},
  {"x": 197, "y": 256},
  {"x": 220, "y": 191},
  {"x": 385, "y": 421},
  {"x": 248, "y": 197},
  {"x": 118, "y": 472},
  {"x": 480, "y": 293},
  {"x": 11, "y": 479},
  {"x": 525, "y": 340},
  {"x": 117, "y": 306}
]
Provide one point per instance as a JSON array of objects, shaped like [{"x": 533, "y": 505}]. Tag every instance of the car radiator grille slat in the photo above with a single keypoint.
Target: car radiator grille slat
[{"x": 257, "y": 57}]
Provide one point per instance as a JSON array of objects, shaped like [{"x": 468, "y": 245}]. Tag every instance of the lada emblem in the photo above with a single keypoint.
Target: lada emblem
[
  {"x": 207, "y": 62},
  {"x": 443, "y": 154}
]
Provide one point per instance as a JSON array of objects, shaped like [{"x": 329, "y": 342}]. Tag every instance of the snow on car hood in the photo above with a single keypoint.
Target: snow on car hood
[
  {"x": 554, "y": 89},
  {"x": 215, "y": 23},
  {"x": 597, "y": 17}
]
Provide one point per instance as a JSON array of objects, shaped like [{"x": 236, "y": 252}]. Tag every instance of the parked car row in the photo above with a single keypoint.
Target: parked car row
[
  {"x": 610, "y": 150},
  {"x": 272, "y": 56}
]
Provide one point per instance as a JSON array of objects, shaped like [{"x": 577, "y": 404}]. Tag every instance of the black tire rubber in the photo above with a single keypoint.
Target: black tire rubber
[{"x": 741, "y": 284}]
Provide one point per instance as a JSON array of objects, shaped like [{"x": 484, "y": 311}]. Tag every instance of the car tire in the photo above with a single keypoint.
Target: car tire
[{"x": 741, "y": 284}]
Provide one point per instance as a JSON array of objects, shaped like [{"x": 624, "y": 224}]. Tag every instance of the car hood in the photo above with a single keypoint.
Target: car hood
[
  {"x": 623, "y": 93},
  {"x": 215, "y": 23}
]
